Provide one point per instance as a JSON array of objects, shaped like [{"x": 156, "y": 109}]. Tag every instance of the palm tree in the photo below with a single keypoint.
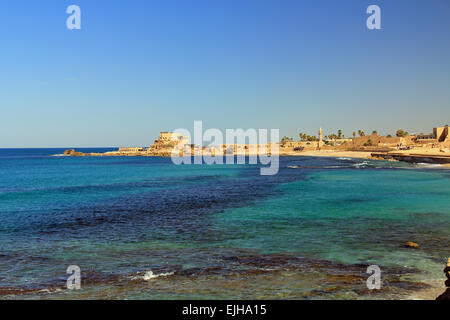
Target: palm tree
[
  {"x": 285, "y": 139},
  {"x": 400, "y": 133},
  {"x": 361, "y": 133},
  {"x": 334, "y": 136},
  {"x": 339, "y": 133},
  {"x": 375, "y": 132},
  {"x": 354, "y": 134}
]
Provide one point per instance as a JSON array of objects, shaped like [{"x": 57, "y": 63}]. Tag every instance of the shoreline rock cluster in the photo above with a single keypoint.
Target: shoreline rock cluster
[
  {"x": 73, "y": 153},
  {"x": 153, "y": 153},
  {"x": 446, "y": 295},
  {"x": 412, "y": 157}
]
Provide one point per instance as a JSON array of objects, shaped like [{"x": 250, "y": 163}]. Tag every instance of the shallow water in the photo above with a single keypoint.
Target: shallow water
[{"x": 143, "y": 228}]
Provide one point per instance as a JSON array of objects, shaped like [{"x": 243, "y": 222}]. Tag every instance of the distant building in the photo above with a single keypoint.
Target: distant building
[
  {"x": 425, "y": 138},
  {"x": 167, "y": 141},
  {"x": 441, "y": 134},
  {"x": 172, "y": 136},
  {"x": 168, "y": 136}
]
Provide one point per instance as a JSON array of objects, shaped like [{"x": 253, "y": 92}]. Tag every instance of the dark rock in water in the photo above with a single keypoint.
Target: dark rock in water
[
  {"x": 446, "y": 294},
  {"x": 346, "y": 279},
  {"x": 411, "y": 244},
  {"x": 447, "y": 270}
]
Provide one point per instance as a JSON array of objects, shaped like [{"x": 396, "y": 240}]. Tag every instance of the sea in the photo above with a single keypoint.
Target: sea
[{"x": 145, "y": 228}]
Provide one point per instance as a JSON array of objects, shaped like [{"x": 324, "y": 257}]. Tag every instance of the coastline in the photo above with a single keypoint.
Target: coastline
[
  {"x": 125, "y": 178},
  {"x": 165, "y": 153},
  {"x": 330, "y": 153},
  {"x": 409, "y": 158}
]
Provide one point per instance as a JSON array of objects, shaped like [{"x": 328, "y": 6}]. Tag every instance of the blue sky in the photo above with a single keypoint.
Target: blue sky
[{"x": 140, "y": 67}]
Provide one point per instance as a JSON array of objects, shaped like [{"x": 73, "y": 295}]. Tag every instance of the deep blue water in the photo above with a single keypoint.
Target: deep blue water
[{"x": 142, "y": 227}]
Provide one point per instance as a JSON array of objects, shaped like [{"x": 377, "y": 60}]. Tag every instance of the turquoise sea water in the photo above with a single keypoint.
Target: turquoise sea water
[{"x": 144, "y": 228}]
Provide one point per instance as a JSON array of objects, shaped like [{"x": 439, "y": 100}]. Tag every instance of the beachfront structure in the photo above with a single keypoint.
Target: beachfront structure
[
  {"x": 167, "y": 141},
  {"x": 302, "y": 145},
  {"x": 244, "y": 148},
  {"x": 374, "y": 140},
  {"x": 441, "y": 134},
  {"x": 311, "y": 144},
  {"x": 168, "y": 136},
  {"x": 440, "y": 137},
  {"x": 425, "y": 138},
  {"x": 172, "y": 137}
]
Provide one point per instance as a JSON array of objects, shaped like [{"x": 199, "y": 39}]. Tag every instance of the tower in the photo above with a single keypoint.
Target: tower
[{"x": 320, "y": 143}]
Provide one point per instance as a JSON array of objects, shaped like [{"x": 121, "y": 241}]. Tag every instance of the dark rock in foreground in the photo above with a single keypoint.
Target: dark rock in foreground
[{"x": 446, "y": 294}]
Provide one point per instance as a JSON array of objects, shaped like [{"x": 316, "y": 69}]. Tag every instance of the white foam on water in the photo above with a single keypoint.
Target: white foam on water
[
  {"x": 52, "y": 290},
  {"x": 364, "y": 163},
  {"x": 429, "y": 165},
  {"x": 149, "y": 275},
  {"x": 417, "y": 166}
]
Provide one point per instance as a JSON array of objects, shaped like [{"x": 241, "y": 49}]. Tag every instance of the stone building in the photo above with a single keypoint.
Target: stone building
[
  {"x": 374, "y": 140},
  {"x": 170, "y": 136},
  {"x": 167, "y": 141},
  {"x": 425, "y": 138},
  {"x": 441, "y": 134}
]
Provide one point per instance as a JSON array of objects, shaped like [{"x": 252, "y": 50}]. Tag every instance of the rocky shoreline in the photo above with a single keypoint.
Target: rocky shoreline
[
  {"x": 156, "y": 153},
  {"x": 413, "y": 158},
  {"x": 446, "y": 295},
  {"x": 167, "y": 152}
]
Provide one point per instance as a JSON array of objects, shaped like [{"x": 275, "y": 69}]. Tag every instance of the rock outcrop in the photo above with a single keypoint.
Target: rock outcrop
[
  {"x": 446, "y": 294},
  {"x": 73, "y": 153},
  {"x": 411, "y": 244}
]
